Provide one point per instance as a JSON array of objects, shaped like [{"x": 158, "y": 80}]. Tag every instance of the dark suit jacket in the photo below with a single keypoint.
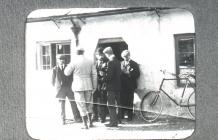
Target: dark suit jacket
[
  {"x": 61, "y": 82},
  {"x": 113, "y": 75},
  {"x": 129, "y": 81}
]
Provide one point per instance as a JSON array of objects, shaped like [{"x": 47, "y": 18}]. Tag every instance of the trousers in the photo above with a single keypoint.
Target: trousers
[
  {"x": 84, "y": 102},
  {"x": 127, "y": 98},
  {"x": 113, "y": 101},
  {"x": 70, "y": 95},
  {"x": 100, "y": 104}
]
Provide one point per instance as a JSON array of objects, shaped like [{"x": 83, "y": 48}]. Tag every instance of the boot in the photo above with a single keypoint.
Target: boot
[
  {"x": 84, "y": 119},
  {"x": 90, "y": 119}
]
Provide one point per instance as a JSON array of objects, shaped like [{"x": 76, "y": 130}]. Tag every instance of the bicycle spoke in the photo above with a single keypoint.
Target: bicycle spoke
[
  {"x": 151, "y": 106},
  {"x": 191, "y": 104}
]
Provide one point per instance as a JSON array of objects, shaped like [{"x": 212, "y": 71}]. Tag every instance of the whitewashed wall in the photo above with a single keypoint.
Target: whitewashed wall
[{"x": 150, "y": 41}]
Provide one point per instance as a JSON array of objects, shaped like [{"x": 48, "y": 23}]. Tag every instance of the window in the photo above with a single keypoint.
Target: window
[
  {"x": 47, "y": 51},
  {"x": 64, "y": 49},
  {"x": 185, "y": 54},
  {"x": 45, "y": 57}
]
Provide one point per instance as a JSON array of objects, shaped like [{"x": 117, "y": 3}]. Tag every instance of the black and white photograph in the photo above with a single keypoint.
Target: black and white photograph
[{"x": 110, "y": 73}]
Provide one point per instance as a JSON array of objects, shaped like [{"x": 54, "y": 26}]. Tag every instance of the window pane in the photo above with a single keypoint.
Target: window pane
[
  {"x": 47, "y": 50},
  {"x": 184, "y": 70},
  {"x": 44, "y": 67},
  {"x": 186, "y": 45},
  {"x": 48, "y": 60},
  {"x": 43, "y": 60},
  {"x": 67, "y": 59},
  {"x": 60, "y": 49},
  {"x": 186, "y": 59},
  {"x": 43, "y": 50},
  {"x": 66, "y": 49}
]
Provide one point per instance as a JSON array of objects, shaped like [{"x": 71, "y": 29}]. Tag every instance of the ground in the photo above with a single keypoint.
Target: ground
[
  {"x": 43, "y": 121},
  {"x": 165, "y": 127}
]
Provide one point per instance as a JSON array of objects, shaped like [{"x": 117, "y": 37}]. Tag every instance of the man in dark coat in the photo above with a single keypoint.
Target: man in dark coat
[
  {"x": 113, "y": 86},
  {"x": 130, "y": 74},
  {"x": 100, "y": 95},
  {"x": 62, "y": 84}
]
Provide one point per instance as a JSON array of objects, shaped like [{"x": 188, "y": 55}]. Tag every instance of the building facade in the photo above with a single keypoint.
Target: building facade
[{"x": 157, "y": 40}]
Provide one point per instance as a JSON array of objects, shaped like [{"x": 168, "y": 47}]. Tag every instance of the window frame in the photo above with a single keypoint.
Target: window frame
[
  {"x": 49, "y": 44},
  {"x": 48, "y": 66},
  {"x": 178, "y": 37}
]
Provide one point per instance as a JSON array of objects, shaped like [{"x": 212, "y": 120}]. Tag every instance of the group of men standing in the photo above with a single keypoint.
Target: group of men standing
[{"x": 98, "y": 89}]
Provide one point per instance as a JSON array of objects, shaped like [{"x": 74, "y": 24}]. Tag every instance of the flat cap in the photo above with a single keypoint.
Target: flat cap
[{"x": 60, "y": 56}]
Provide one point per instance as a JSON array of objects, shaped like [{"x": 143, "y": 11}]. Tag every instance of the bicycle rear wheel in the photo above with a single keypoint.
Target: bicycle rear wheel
[
  {"x": 151, "y": 106},
  {"x": 191, "y": 104}
]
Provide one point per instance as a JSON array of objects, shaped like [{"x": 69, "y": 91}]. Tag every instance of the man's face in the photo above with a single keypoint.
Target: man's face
[
  {"x": 60, "y": 61},
  {"x": 107, "y": 55},
  {"x": 99, "y": 56},
  {"x": 126, "y": 58}
]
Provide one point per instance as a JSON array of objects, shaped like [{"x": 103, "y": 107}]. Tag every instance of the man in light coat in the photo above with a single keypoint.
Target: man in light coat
[{"x": 84, "y": 84}]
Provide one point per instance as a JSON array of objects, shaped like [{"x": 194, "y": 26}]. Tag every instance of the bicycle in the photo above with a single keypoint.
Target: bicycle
[{"x": 151, "y": 104}]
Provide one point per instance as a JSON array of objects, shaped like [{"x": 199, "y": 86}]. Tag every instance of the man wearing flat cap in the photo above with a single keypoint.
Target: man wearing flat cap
[
  {"x": 130, "y": 74},
  {"x": 113, "y": 86},
  {"x": 63, "y": 88},
  {"x": 84, "y": 84}
]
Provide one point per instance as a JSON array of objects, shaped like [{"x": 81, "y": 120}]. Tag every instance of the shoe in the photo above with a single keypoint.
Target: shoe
[
  {"x": 111, "y": 125},
  {"x": 91, "y": 125},
  {"x": 78, "y": 121},
  {"x": 129, "y": 119},
  {"x": 90, "y": 120},
  {"x": 94, "y": 119},
  {"x": 103, "y": 121},
  {"x": 85, "y": 126}
]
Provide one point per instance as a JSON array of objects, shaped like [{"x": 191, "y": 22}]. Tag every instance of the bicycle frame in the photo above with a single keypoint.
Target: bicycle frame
[{"x": 187, "y": 82}]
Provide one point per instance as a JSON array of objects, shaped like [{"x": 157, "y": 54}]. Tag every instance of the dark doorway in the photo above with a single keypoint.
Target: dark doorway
[{"x": 117, "y": 45}]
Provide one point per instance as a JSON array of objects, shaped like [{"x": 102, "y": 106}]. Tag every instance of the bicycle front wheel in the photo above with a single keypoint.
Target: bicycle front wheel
[
  {"x": 191, "y": 105},
  {"x": 151, "y": 106}
]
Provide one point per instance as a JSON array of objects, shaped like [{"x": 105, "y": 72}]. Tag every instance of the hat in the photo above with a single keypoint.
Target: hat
[
  {"x": 60, "y": 56},
  {"x": 108, "y": 50},
  {"x": 125, "y": 53}
]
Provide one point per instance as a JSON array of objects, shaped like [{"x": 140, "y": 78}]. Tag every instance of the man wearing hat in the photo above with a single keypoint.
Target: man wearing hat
[
  {"x": 84, "y": 84},
  {"x": 130, "y": 74},
  {"x": 63, "y": 88},
  {"x": 113, "y": 86}
]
